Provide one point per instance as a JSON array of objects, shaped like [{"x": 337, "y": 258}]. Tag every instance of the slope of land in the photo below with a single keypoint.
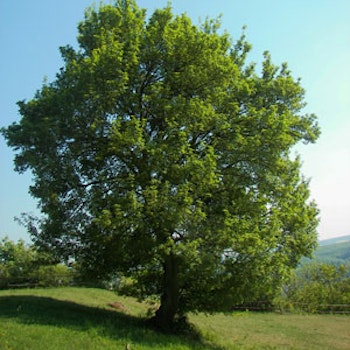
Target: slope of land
[
  {"x": 87, "y": 318},
  {"x": 331, "y": 241},
  {"x": 334, "y": 251}
]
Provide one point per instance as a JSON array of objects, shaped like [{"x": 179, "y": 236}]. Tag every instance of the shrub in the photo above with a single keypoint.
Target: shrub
[
  {"x": 54, "y": 275},
  {"x": 318, "y": 287}
]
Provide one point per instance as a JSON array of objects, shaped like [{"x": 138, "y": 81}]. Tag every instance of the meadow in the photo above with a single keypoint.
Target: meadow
[{"x": 89, "y": 318}]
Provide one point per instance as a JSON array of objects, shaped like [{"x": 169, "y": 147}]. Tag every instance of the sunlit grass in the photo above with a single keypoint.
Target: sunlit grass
[
  {"x": 276, "y": 331},
  {"x": 80, "y": 318}
]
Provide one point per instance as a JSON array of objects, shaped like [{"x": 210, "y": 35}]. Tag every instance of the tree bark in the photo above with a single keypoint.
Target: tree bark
[{"x": 169, "y": 307}]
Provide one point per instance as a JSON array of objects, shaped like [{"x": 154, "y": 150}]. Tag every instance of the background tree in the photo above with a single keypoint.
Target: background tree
[
  {"x": 160, "y": 154},
  {"x": 22, "y": 266},
  {"x": 319, "y": 287},
  {"x": 16, "y": 262}
]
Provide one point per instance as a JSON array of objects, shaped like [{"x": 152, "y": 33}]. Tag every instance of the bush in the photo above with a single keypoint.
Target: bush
[
  {"x": 54, "y": 276},
  {"x": 24, "y": 266},
  {"x": 318, "y": 287}
]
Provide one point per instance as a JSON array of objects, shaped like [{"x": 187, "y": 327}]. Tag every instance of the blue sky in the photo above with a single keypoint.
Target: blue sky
[{"x": 313, "y": 36}]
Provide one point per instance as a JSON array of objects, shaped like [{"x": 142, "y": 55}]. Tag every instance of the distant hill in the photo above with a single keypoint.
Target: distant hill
[
  {"x": 336, "y": 240},
  {"x": 332, "y": 251}
]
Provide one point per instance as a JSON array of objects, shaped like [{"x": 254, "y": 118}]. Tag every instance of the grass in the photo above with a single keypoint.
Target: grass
[{"x": 80, "y": 318}]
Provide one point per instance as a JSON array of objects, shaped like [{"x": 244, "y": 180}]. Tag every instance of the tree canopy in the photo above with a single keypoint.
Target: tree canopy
[{"x": 159, "y": 152}]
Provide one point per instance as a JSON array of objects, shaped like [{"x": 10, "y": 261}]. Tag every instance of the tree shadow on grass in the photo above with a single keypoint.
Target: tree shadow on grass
[{"x": 110, "y": 323}]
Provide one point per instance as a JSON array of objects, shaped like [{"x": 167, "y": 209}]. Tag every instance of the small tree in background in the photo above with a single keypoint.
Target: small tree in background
[
  {"x": 159, "y": 153},
  {"x": 16, "y": 262},
  {"x": 318, "y": 287},
  {"x": 54, "y": 275},
  {"x": 22, "y": 266}
]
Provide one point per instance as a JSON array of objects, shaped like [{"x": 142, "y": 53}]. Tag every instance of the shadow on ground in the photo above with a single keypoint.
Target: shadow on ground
[{"x": 110, "y": 323}]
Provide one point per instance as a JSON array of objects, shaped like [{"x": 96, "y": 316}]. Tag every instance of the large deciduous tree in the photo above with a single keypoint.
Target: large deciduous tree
[{"x": 159, "y": 153}]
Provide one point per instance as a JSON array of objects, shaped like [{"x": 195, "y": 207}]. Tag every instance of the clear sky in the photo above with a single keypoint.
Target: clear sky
[{"x": 313, "y": 36}]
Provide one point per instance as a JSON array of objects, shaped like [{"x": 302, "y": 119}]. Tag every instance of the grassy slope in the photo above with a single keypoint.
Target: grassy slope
[
  {"x": 336, "y": 240},
  {"x": 331, "y": 253},
  {"x": 77, "y": 318},
  {"x": 338, "y": 252}
]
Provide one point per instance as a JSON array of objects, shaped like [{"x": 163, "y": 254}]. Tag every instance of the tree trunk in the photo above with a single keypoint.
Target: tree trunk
[{"x": 166, "y": 314}]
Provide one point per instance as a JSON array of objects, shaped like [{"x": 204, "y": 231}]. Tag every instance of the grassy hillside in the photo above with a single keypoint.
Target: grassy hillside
[
  {"x": 338, "y": 253},
  {"x": 335, "y": 240},
  {"x": 335, "y": 251},
  {"x": 332, "y": 251},
  {"x": 81, "y": 318}
]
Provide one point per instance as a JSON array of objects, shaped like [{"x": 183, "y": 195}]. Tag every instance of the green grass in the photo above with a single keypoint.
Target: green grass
[{"x": 80, "y": 318}]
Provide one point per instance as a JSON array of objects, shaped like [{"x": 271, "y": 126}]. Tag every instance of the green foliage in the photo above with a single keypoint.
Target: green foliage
[
  {"x": 22, "y": 265},
  {"x": 160, "y": 153},
  {"x": 56, "y": 275},
  {"x": 318, "y": 287},
  {"x": 16, "y": 262}
]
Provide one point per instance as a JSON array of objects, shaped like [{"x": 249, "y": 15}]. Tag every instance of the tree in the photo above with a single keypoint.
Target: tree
[
  {"x": 22, "y": 266},
  {"x": 319, "y": 287},
  {"x": 16, "y": 262},
  {"x": 159, "y": 153}
]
